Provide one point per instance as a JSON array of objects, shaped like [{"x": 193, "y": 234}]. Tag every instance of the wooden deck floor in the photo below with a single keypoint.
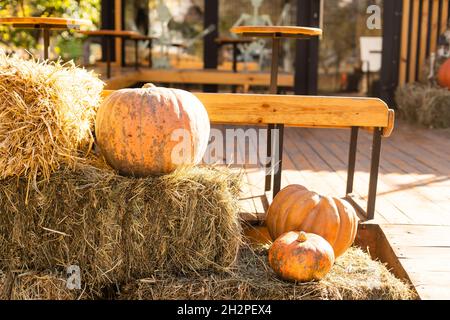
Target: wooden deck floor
[{"x": 413, "y": 204}]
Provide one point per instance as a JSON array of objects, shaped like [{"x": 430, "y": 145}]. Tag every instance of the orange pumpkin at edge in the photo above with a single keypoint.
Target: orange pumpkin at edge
[
  {"x": 444, "y": 74},
  {"x": 295, "y": 208},
  {"x": 300, "y": 256},
  {"x": 152, "y": 130}
]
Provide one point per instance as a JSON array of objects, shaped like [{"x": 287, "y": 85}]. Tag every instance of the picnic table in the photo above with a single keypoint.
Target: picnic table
[{"x": 46, "y": 24}]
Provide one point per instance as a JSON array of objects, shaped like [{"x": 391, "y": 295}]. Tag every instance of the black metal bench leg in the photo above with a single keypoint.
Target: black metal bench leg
[
  {"x": 278, "y": 167},
  {"x": 268, "y": 184},
  {"x": 374, "y": 168},
  {"x": 352, "y": 159}
]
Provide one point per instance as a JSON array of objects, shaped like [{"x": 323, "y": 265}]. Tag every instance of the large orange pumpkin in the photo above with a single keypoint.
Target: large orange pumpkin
[
  {"x": 444, "y": 74},
  {"x": 152, "y": 130},
  {"x": 298, "y": 256},
  {"x": 296, "y": 208}
]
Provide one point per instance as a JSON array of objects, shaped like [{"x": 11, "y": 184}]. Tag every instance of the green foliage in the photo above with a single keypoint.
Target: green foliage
[{"x": 29, "y": 39}]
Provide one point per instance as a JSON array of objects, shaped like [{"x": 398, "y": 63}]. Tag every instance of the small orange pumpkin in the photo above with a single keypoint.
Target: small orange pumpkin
[
  {"x": 444, "y": 75},
  {"x": 152, "y": 130},
  {"x": 300, "y": 256},
  {"x": 295, "y": 208}
]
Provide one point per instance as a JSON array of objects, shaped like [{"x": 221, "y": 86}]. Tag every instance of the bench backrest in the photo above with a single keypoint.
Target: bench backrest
[{"x": 297, "y": 111}]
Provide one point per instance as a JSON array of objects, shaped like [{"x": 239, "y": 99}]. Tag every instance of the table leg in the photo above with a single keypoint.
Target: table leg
[
  {"x": 235, "y": 54},
  {"x": 108, "y": 57},
  {"x": 273, "y": 90},
  {"x": 150, "y": 58},
  {"x": 136, "y": 54},
  {"x": 46, "y": 36}
]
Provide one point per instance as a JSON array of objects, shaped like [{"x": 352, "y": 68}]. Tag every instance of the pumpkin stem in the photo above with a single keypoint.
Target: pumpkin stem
[
  {"x": 148, "y": 85},
  {"x": 302, "y": 237}
]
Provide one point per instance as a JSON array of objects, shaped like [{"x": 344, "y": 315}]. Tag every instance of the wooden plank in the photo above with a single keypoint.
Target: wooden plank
[
  {"x": 50, "y": 21},
  {"x": 295, "y": 110},
  {"x": 414, "y": 41},
  {"x": 424, "y": 33},
  {"x": 276, "y": 31},
  {"x": 211, "y": 76},
  {"x": 434, "y": 26},
  {"x": 444, "y": 16},
  {"x": 404, "y": 42},
  {"x": 424, "y": 253},
  {"x": 118, "y": 27}
]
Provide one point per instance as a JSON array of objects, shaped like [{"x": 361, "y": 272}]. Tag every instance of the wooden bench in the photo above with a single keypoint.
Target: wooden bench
[
  {"x": 200, "y": 77},
  {"x": 308, "y": 111}
]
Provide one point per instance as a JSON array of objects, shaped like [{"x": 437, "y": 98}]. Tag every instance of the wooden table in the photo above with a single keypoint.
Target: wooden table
[
  {"x": 46, "y": 24},
  {"x": 109, "y": 35},
  {"x": 276, "y": 33},
  {"x": 138, "y": 38}
]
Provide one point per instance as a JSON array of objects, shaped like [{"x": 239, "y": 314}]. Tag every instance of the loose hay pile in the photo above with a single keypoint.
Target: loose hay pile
[
  {"x": 47, "y": 111},
  {"x": 425, "y": 104},
  {"x": 354, "y": 277},
  {"x": 116, "y": 228}
]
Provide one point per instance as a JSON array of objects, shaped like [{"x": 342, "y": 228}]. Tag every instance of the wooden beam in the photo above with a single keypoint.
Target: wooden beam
[
  {"x": 210, "y": 46},
  {"x": 107, "y": 21},
  {"x": 404, "y": 42},
  {"x": 424, "y": 33},
  {"x": 295, "y": 111},
  {"x": 205, "y": 77},
  {"x": 444, "y": 16},
  {"x": 414, "y": 41},
  {"x": 434, "y": 26},
  {"x": 307, "y": 52},
  {"x": 118, "y": 27},
  {"x": 392, "y": 25}
]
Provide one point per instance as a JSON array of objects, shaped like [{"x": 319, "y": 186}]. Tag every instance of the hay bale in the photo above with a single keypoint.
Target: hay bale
[
  {"x": 435, "y": 112},
  {"x": 354, "y": 277},
  {"x": 37, "y": 286},
  {"x": 119, "y": 228},
  {"x": 424, "y": 104},
  {"x": 47, "y": 111}
]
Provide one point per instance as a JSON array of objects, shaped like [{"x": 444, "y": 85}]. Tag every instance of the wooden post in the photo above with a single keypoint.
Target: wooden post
[
  {"x": 210, "y": 47},
  {"x": 424, "y": 34},
  {"x": 404, "y": 43},
  {"x": 414, "y": 41},
  {"x": 434, "y": 27},
  {"x": 118, "y": 26},
  {"x": 307, "y": 52},
  {"x": 392, "y": 17},
  {"x": 444, "y": 16},
  {"x": 107, "y": 22}
]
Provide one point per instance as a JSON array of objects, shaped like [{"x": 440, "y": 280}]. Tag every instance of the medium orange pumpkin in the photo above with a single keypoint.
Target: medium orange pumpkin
[
  {"x": 295, "y": 208},
  {"x": 152, "y": 130},
  {"x": 300, "y": 256},
  {"x": 444, "y": 74}
]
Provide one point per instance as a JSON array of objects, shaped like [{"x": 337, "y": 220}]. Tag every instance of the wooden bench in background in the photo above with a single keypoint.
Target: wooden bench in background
[
  {"x": 313, "y": 112},
  {"x": 200, "y": 77}
]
